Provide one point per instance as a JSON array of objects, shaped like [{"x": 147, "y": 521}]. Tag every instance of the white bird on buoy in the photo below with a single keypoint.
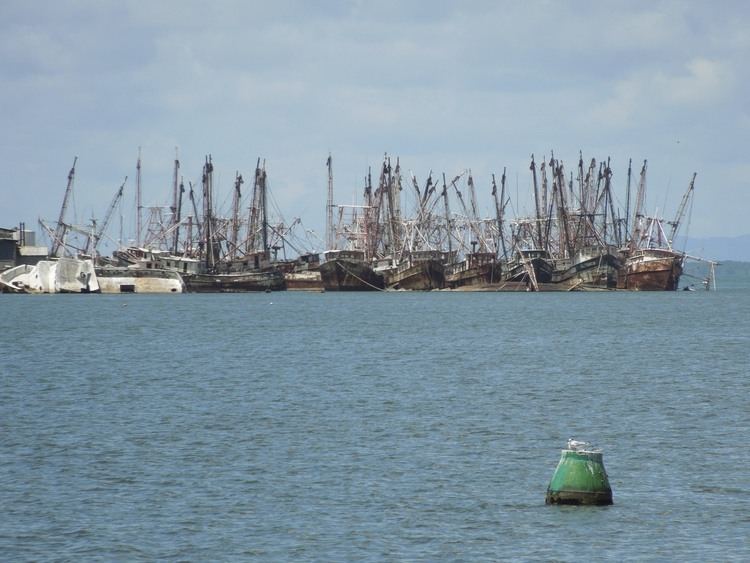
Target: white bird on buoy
[{"x": 577, "y": 445}]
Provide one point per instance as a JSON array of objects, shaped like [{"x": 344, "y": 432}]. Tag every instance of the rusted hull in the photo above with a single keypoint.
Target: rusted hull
[
  {"x": 272, "y": 280},
  {"x": 348, "y": 275},
  {"x": 422, "y": 276},
  {"x": 647, "y": 273}
]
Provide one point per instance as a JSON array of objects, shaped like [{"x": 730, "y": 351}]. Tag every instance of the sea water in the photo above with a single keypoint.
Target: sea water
[{"x": 372, "y": 426}]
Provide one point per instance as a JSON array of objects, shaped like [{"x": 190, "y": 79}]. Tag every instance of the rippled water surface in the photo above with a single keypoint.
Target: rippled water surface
[{"x": 370, "y": 427}]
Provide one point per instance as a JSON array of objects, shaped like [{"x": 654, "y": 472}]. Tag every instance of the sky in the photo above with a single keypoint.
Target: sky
[{"x": 443, "y": 86}]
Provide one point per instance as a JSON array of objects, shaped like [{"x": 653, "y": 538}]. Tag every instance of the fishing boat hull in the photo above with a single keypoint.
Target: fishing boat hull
[
  {"x": 419, "y": 276},
  {"x": 236, "y": 282},
  {"x": 520, "y": 270},
  {"x": 349, "y": 275},
  {"x": 651, "y": 270},
  {"x": 482, "y": 275},
  {"x": 303, "y": 281},
  {"x": 598, "y": 271}
]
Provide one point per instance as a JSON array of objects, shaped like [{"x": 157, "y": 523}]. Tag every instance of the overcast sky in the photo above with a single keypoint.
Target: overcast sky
[{"x": 445, "y": 86}]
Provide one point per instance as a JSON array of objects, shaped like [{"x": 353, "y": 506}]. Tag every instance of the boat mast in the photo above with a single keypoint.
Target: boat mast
[
  {"x": 208, "y": 169},
  {"x": 138, "y": 205},
  {"x": 447, "y": 219},
  {"x": 176, "y": 196},
  {"x": 396, "y": 188},
  {"x": 637, "y": 212},
  {"x": 264, "y": 211},
  {"x": 367, "y": 218},
  {"x": 61, "y": 230},
  {"x": 179, "y": 216},
  {"x": 252, "y": 223},
  {"x": 615, "y": 219},
  {"x": 330, "y": 239},
  {"x": 607, "y": 205},
  {"x": 390, "y": 214},
  {"x": 499, "y": 212},
  {"x": 560, "y": 186},
  {"x": 197, "y": 216},
  {"x": 236, "y": 214},
  {"x": 627, "y": 199},
  {"x": 536, "y": 203},
  {"x": 175, "y": 186}
]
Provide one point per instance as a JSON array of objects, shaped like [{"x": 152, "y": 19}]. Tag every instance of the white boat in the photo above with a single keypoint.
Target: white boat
[
  {"x": 17, "y": 279},
  {"x": 139, "y": 280},
  {"x": 64, "y": 275}
]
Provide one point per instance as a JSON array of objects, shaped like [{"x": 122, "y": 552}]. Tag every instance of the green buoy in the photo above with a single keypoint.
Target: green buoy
[{"x": 580, "y": 477}]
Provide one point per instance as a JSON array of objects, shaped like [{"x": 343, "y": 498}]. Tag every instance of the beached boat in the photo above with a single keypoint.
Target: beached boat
[
  {"x": 138, "y": 280},
  {"x": 17, "y": 279},
  {"x": 64, "y": 275}
]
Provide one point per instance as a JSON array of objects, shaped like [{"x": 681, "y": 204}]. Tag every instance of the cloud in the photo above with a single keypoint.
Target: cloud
[
  {"x": 649, "y": 93},
  {"x": 704, "y": 82}
]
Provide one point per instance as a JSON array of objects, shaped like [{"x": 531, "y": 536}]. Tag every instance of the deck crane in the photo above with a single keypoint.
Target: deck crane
[
  {"x": 92, "y": 243},
  {"x": 58, "y": 238},
  {"x": 681, "y": 210}
]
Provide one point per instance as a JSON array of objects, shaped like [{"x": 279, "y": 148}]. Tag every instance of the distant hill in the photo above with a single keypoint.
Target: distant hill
[{"x": 717, "y": 248}]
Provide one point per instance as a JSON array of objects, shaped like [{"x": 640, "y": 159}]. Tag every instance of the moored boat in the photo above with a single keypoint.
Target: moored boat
[
  {"x": 591, "y": 268},
  {"x": 651, "y": 269},
  {"x": 421, "y": 270},
  {"x": 346, "y": 270},
  {"x": 235, "y": 282},
  {"x": 478, "y": 269},
  {"x": 531, "y": 266},
  {"x": 302, "y": 274}
]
